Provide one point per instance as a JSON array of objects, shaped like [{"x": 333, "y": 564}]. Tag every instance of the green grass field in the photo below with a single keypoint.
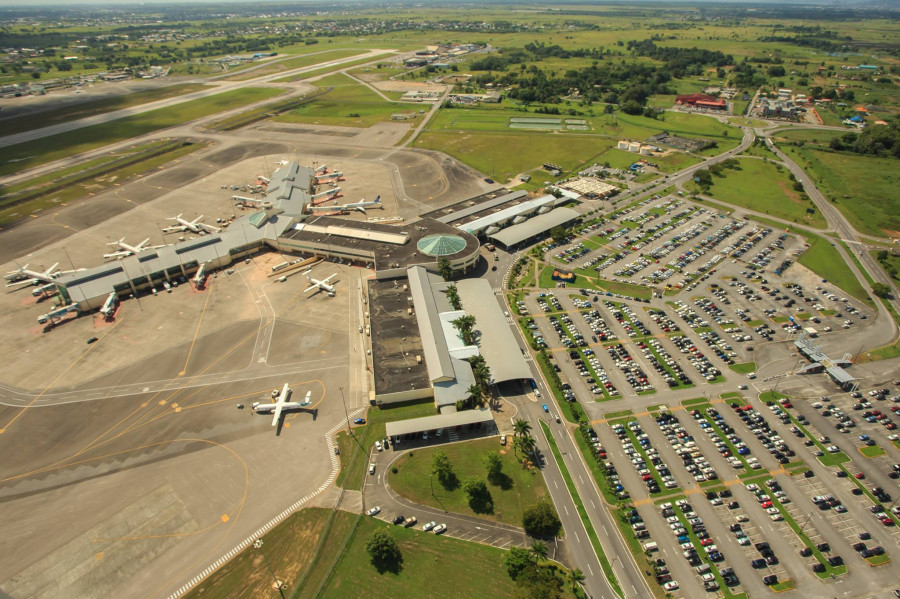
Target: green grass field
[
  {"x": 355, "y": 449},
  {"x": 823, "y": 259},
  {"x": 764, "y": 187},
  {"x": 520, "y": 487},
  {"x": 47, "y": 149},
  {"x": 349, "y": 104},
  {"x": 864, "y": 188},
  {"x": 433, "y": 566},
  {"x": 289, "y": 547},
  {"x": 95, "y": 106}
]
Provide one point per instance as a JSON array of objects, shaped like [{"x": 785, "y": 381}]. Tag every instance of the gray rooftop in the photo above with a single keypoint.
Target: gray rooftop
[
  {"x": 497, "y": 342},
  {"x": 481, "y": 207},
  {"x": 434, "y": 345},
  {"x": 430, "y": 423},
  {"x": 534, "y": 226},
  {"x": 510, "y": 213}
]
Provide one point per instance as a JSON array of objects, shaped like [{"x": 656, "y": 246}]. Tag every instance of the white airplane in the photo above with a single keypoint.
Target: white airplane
[
  {"x": 320, "y": 285},
  {"x": 126, "y": 249},
  {"x": 360, "y": 206},
  {"x": 194, "y": 226},
  {"x": 23, "y": 276},
  {"x": 281, "y": 404}
]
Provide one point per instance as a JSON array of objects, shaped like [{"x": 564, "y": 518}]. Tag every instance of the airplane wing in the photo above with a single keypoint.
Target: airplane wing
[
  {"x": 310, "y": 288},
  {"x": 175, "y": 229},
  {"x": 116, "y": 255},
  {"x": 277, "y": 413},
  {"x": 209, "y": 228},
  {"x": 306, "y": 399},
  {"x": 331, "y": 277},
  {"x": 360, "y": 208}
]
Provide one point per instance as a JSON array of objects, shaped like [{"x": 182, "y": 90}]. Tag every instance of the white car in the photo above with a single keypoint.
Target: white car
[
  {"x": 371, "y": 468},
  {"x": 671, "y": 586},
  {"x": 429, "y": 525},
  {"x": 374, "y": 510},
  {"x": 439, "y": 528},
  {"x": 378, "y": 445}
]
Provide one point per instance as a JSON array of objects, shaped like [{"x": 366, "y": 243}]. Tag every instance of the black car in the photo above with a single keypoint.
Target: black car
[
  {"x": 823, "y": 547},
  {"x": 758, "y": 563},
  {"x": 770, "y": 580},
  {"x": 806, "y": 552},
  {"x": 399, "y": 520},
  {"x": 91, "y": 340},
  {"x": 761, "y": 546},
  {"x": 818, "y": 568},
  {"x": 837, "y": 560}
]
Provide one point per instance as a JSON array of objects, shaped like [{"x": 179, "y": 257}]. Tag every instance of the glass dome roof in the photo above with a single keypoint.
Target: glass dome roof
[{"x": 441, "y": 245}]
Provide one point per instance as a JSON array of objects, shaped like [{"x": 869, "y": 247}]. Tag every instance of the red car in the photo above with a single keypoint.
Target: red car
[
  {"x": 887, "y": 521},
  {"x": 766, "y": 504},
  {"x": 706, "y": 542},
  {"x": 859, "y": 475}
]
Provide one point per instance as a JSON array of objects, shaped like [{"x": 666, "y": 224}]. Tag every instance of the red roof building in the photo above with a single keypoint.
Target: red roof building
[{"x": 701, "y": 101}]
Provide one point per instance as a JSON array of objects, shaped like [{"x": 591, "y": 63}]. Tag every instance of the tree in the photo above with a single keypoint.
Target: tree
[
  {"x": 465, "y": 325},
  {"x": 482, "y": 374},
  {"x": 521, "y": 428},
  {"x": 444, "y": 268},
  {"x": 383, "y": 551},
  {"x": 881, "y": 290},
  {"x": 453, "y": 297},
  {"x": 442, "y": 468},
  {"x": 479, "y": 496},
  {"x": 476, "y": 395},
  {"x": 493, "y": 463},
  {"x": 576, "y": 577},
  {"x": 540, "y": 520},
  {"x": 539, "y": 550},
  {"x": 535, "y": 582},
  {"x": 517, "y": 559},
  {"x": 557, "y": 234}
]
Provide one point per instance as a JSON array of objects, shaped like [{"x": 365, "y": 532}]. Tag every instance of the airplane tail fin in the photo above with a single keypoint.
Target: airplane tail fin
[{"x": 378, "y": 199}]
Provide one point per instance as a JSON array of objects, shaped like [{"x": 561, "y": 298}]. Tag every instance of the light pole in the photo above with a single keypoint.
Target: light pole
[
  {"x": 346, "y": 413},
  {"x": 258, "y": 545}
]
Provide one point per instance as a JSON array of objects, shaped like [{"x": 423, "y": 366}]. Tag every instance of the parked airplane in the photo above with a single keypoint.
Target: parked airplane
[
  {"x": 194, "y": 226},
  {"x": 360, "y": 206},
  {"x": 281, "y": 404},
  {"x": 126, "y": 249},
  {"x": 23, "y": 276},
  {"x": 320, "y": 285}
]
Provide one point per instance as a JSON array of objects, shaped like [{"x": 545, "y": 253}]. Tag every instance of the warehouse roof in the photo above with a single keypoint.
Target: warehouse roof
[
  {"x": 434, "y": 345},
  {"x": 481, "y": 207},
  {"x": 429, "y": 423},
  {"x": 534, "y": 226},
  {"x": 510, "y": 213}
]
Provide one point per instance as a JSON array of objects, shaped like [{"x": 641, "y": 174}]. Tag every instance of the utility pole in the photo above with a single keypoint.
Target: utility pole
[{"x": 258, "y": 545}]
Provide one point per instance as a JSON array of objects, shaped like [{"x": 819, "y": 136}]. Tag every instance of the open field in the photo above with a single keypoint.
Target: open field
[
  {"x": 823, "y": 259},
  {"x": 347, "y": 104},
  {"x": 289, "y": 548},
  {"x": 55, "y": 147},
  {"x": 864, "y": 188},
  {"x": 293, "y": 63},
  {"x": 518, "y": 488},
  {"x": 95, "y": 106},
  {"x": 764, "y": 187},
  {"x": 430, "y": 563}
]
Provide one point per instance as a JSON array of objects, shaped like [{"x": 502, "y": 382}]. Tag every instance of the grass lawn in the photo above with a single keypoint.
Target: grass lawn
[
  {"x": 764, "y": 187},
  {"x": 864, "y": 188},
  {"x": 23, "y": 156},
  {"x": 744, "y": 368},
  {"x": 430, "y": 563},
  {"x": 289, "y": 549},
  {"x": 823, "y": 259},
  {"x": 95, "y": 106},
  {"x": 518, "y": 488},
  {"x": 348, "y": 104},
  {"x": 872, "y": 451},
  {"x": 355, "y": 451}
]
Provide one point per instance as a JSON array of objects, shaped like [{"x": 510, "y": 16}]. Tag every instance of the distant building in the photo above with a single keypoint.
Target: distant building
[{"x": 702, "y": 101}]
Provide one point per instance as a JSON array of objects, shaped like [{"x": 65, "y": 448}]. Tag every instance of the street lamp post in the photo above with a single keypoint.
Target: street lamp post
[
  {"x": 346, "y": 413},
  {"x": 258, "y": 545}
]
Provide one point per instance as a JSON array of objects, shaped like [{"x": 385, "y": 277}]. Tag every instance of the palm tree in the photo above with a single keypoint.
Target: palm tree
[
  {"x": 475, "y": 393},
  {"x": 528, "y": 444},
  {"x": 482, "y": 374},
  {"x": 539, "y": 550},
  {"x": 521, "y": 428},
  {"x": 453, "y": 297},
  {"x": 576, "y": 577},
  {"x": 465, "y": 324}
]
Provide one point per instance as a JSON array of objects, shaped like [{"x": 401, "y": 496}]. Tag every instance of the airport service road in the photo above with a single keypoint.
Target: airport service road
[{"x": 219, "y": 88}]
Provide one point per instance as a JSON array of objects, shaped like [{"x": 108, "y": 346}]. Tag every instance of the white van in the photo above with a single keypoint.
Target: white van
[{"x": 651, "y": 546}]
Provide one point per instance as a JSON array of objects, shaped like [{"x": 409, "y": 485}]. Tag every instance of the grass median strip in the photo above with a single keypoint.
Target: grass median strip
[{"x": 582, "y": 513}]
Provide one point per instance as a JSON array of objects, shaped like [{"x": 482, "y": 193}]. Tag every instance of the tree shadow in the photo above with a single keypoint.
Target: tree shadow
[
  {"x": 394, "y": 566},
  {"x": 482, "y": 503},
  {"x": 450, "y": 482},
  {"x": 502, "y": 480}
]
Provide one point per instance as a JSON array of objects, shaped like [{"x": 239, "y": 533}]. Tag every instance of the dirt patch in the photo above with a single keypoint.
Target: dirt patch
[
  {"x": 406, "y": 86},
  {"x": 789, "y": 192}
]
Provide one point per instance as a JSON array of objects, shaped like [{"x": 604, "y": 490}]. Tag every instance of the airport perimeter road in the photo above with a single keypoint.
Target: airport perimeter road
[{"x": 219, "y": 88}]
